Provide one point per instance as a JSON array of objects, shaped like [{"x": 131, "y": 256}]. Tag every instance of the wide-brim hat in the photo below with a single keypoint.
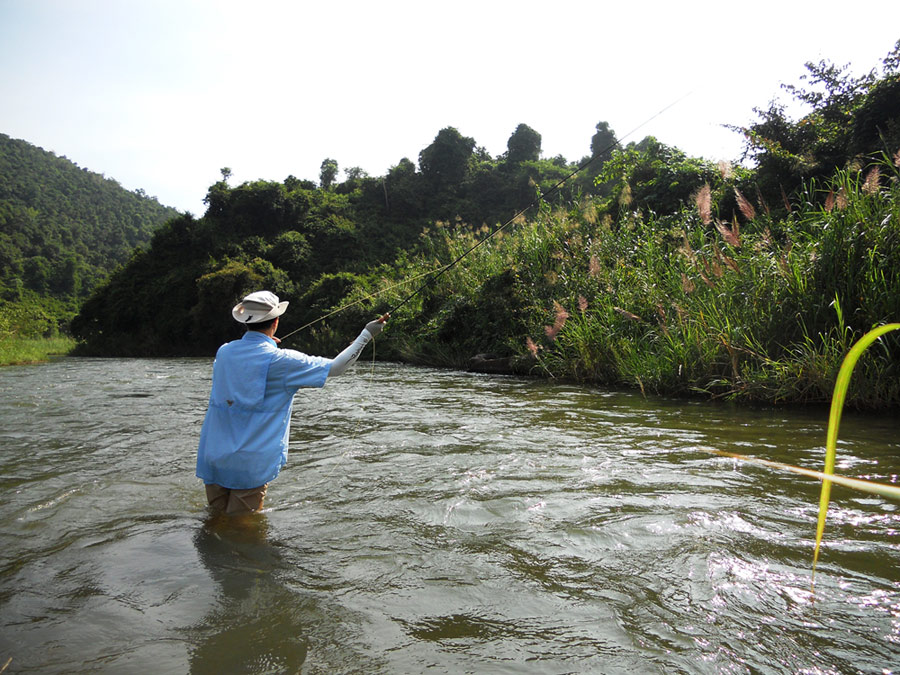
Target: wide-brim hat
[{"x": 258, "y": 307}]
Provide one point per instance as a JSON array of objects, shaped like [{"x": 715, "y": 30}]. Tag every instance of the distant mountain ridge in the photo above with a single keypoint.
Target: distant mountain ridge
[{"x": 64, "y": 228}]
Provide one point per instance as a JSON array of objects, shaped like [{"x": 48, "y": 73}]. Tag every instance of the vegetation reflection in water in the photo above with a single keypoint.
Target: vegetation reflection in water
[{"x": 431, "y": 520}]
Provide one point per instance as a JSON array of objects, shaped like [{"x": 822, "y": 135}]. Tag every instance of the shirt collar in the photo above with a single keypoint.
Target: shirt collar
[{"x": 256, "y": 336}]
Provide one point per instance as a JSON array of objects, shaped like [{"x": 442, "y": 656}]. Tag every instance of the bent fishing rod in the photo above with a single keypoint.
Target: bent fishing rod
[{"x": 434, "y": 276}]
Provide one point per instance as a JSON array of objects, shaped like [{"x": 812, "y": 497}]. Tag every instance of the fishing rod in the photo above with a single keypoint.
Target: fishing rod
[
  {"x": 541, "y": 197},
  {"x": 434, "y": 276}
]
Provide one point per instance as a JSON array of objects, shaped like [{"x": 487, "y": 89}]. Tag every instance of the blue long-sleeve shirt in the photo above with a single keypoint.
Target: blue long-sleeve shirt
[{"x": 244, "y": 439}]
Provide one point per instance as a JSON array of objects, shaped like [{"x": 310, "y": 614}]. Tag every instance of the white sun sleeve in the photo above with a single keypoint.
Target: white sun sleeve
[{"x": 341, "y": 362}]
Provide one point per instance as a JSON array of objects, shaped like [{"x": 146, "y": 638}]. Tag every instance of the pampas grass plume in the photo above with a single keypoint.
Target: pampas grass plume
[
  {"x": 704, "y": 204},
  {"x": 628, "y": 315},
  {"x": 561, "y": 315},
  {"x": 745, "y": 206},
  {"x": 870, "y": 186},
  {"x": 731, "y": 235}
]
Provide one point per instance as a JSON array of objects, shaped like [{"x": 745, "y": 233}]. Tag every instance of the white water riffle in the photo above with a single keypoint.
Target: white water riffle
[{"x": 436, "y": 521}]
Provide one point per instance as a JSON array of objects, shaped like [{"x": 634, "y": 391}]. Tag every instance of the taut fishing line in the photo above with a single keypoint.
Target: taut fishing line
[{"x": 435, "y": 275}]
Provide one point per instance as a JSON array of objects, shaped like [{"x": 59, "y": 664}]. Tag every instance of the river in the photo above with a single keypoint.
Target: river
[{"x": 436, "y": 521}]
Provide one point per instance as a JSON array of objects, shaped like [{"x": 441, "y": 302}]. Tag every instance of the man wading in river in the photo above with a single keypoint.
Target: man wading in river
[{"x": 244, "y": 439}]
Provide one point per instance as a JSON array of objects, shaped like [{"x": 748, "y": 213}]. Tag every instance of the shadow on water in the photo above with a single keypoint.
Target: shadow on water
[{"x": 256, "y": 625}]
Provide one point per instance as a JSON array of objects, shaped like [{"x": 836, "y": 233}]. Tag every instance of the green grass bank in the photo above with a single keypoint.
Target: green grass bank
[{"x": 19, "y": 350}]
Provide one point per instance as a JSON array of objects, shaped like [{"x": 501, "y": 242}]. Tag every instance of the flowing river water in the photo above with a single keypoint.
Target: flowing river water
[{"x": 436, "y": 521}]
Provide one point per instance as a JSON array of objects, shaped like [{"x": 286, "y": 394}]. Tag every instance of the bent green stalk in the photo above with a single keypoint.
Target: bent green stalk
[{"x": 834, "y": 421}]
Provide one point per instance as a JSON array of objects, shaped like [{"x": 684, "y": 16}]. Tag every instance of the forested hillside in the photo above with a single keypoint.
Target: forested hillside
[
  {"x": 63, "y": 229},
  {"x": 648, "y": 268}
]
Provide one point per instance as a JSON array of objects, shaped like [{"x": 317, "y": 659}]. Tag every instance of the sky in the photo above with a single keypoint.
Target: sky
[{"x": 162, "y": 94}]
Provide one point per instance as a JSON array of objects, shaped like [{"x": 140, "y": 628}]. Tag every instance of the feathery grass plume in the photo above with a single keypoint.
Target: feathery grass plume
[
  {"x": 829, "y": 201},
  {"x": 625, "y": 196},
  {"x": 897, "y": 159},
  {"x": 724, "y": 259},
  {"x": 559, "y": 320},
  {"x": 594, "y": 266},
  {"x": 787, "y": 202},
  {"x": 731, "y": 263},
  {"x": 726, "y": 170},
  {"x": 745, "y": 206},
  {"x": 712, "y": 268},
  {"x": 841, "y": 201},
  {"x": 663, "y": 325},
  {"x": 628, "y": 315},
  {"x": 686, "y": 284},
  {"x": 703, "y": 199},
  {"x": 873, "y": 178},
  {"x": 731, "y": 235},
  {"x": 706, "y": 279},
  {"x": 531, "y": 347},
  {"x": 582, "y": 304},
  {"x": 762, "y": 202},
  {"x": 686, "y": 249}
]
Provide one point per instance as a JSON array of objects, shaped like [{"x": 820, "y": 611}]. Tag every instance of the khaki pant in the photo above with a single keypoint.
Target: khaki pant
[{"x": 226, "y": 500}]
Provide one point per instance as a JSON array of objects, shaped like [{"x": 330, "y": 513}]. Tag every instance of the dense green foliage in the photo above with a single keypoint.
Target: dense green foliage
[
  {"x": 305, "y": 242},
  {"x": 759, "y": 308},
  {"x": 62, "y": 230},
  {"x": 649, "y": 268}
]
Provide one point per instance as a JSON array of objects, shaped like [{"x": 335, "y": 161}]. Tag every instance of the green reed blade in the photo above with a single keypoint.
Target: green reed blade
[{"x": 834, "y": 420}]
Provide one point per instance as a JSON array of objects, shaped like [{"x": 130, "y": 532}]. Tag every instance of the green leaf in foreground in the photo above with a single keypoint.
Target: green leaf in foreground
[{"x": 834, "y": 421}]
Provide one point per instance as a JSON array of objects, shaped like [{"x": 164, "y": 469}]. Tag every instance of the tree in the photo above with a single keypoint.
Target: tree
[
  {"x": 848, "y": 117},
  {"x": 524, "y": 145},
  {"x": 327, "y": 173},
  {"x": 603, "y": 142},
  {"x": 355, "y": 173},
  {"x": 445, "y": 162}
]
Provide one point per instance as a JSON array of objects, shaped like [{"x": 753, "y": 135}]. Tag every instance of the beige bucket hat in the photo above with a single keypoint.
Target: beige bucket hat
[{"x": 258, "y": 307}]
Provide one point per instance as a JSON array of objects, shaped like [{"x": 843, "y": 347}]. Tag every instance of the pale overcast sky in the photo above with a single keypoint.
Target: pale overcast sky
[{"x": 160, "y": 94}]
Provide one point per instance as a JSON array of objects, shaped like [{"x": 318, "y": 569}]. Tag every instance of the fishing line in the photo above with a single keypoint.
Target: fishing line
[
  {"x": 356, "y": 302},
  {"x": 435, "y": 275}
]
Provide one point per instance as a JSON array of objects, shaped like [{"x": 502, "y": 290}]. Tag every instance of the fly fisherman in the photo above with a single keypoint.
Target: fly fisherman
[{"x": 244, "y": 439}]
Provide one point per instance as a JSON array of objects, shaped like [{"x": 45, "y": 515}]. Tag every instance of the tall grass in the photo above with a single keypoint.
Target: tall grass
[
  {"x": 756, "y": 308},
  {"x": 18, "y": 350}
]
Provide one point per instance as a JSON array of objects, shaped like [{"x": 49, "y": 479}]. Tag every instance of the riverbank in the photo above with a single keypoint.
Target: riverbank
[
  {"x": 759, "y": 311},
  {"x": 17, "y": 351}
]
